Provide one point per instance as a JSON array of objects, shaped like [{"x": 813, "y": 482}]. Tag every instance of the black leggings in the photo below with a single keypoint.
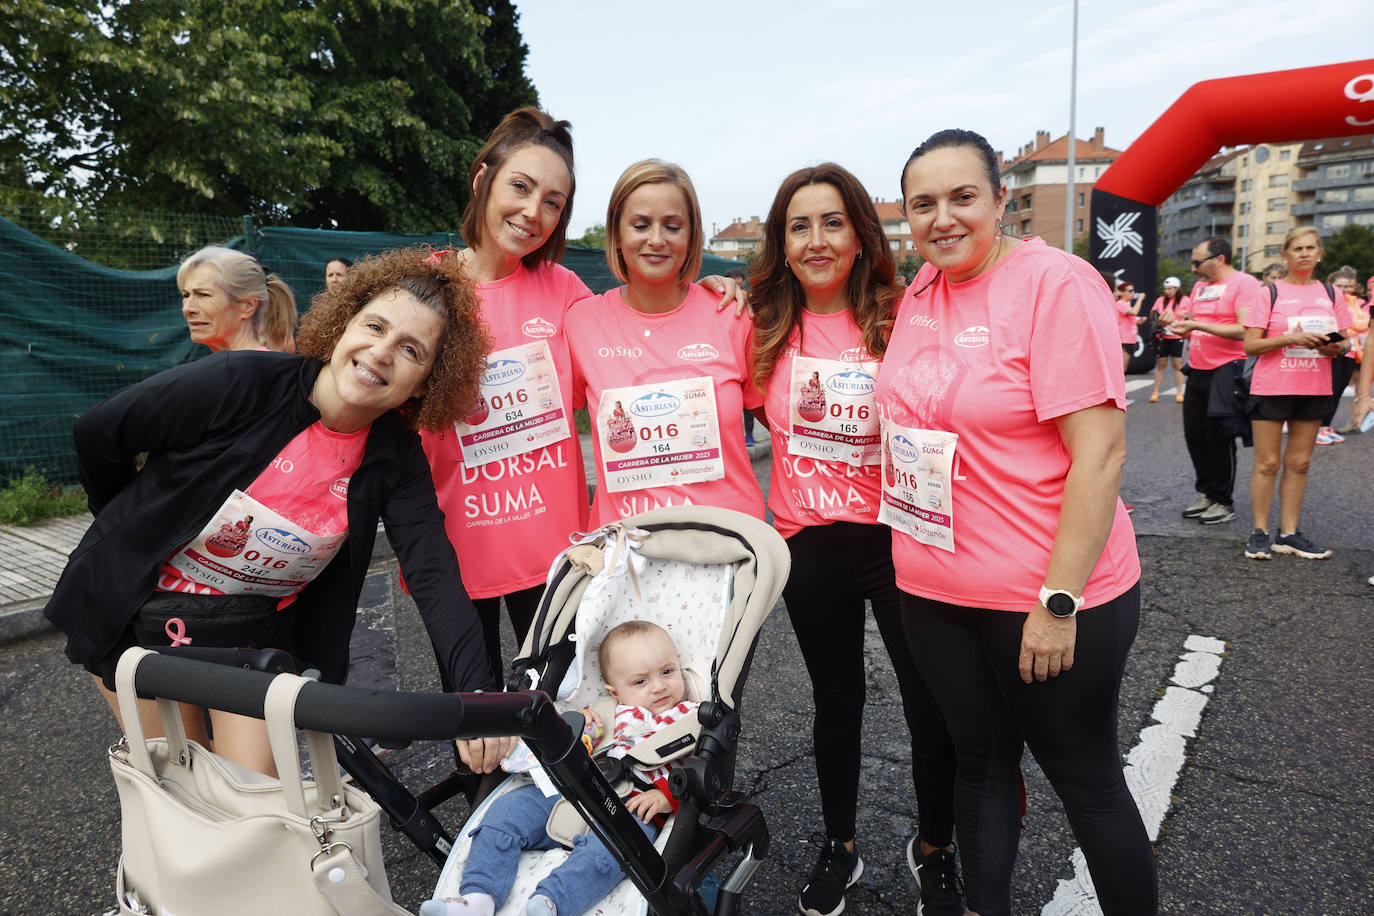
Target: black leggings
[
  {"x": 969, "y": 658},
  {"x": 834, "y": 568},
  {"x": 521, "y": 607},
  {"x": 1342, "y": 369}
]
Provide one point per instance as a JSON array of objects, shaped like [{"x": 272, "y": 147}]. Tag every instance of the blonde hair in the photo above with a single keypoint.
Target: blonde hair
[
  {"x": 243, "y": 278},
  {"x": 653, "y": 171},
  {"x": 1299, "y": 232}
]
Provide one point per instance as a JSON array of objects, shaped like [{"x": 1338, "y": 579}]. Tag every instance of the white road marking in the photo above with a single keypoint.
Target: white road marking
[{"x": 1153, "y": 765}]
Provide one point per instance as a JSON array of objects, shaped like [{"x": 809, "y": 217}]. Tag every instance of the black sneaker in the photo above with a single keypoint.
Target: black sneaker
[
  {"x": 1298, "y": 544},
  {"x": 1257, "y": 548},
  {"x": 836, "y": 869},
  {"x": 937, "y": 880}
]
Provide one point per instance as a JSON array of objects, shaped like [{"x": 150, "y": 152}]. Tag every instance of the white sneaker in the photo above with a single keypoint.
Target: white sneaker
[
  {"x": 1216, "y": 514},
  {"x": 1197, "y": 507}
]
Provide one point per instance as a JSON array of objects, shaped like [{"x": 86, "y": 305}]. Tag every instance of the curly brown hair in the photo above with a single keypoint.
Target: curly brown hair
[{"x": 438, "y": 280}]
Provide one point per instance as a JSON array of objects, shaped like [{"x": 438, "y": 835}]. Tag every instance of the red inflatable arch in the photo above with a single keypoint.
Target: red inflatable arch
[{"x": 1287, "y": 105}]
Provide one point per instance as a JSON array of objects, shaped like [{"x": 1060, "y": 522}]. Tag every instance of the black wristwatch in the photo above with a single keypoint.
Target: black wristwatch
[{"x": 1059, "y": 602}]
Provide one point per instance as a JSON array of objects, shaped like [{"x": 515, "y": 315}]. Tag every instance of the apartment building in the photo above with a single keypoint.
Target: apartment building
[{"x": 1037, "y": 179}]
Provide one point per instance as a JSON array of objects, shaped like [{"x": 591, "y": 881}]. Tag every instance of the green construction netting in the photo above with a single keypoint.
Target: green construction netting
[{"x": 73, "y": 332}]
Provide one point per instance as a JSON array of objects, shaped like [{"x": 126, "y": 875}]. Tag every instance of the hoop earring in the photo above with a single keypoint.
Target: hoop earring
[
  {"x": 860, "y": 255},
  {"x": 999, "y": 227}
]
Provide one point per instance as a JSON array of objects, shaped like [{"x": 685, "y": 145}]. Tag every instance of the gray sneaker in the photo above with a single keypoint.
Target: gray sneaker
[
  {"x": 1216, "y": 514},
  {"x": 1197, "y": 507},
  {"x": 1298, "y": 544},
  {"x": 1257, "y": 548}
]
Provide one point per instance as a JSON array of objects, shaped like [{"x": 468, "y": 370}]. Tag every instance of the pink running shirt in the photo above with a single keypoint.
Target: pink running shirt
[
  {"x": 996, "y": 360},
  {"x": 306, "y": 483},
  {"x": 510, "y": 517},
  {"x": 1166, "y": 316},
  {"x": 810, "y": 491},
  {"x": 1216, "y": 303},
  {"x": 1284, "y": 371},
  {"x": 614, "y": 346},
  {"x": 1125, "y": 322}
]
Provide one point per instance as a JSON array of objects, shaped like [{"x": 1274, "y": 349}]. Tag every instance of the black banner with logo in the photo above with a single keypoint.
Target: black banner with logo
[{"x": 1124, "y": 242}]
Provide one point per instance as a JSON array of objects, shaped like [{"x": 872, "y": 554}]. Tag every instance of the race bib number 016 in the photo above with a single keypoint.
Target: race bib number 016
[
  {"x": 659, "y": 435},
  {"x": 832, "y": 412},
  {"x": 519, "y": 408},
  {"x": 918, "y": 475}
]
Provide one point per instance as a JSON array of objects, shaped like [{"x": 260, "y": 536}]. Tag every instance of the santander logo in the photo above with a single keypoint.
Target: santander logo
[
  {"x": 698, "y": 351},
  {"x": 339, "y": 488},
  {"x": 971, "y": 338},
  {"x": 538, "y": 327}
]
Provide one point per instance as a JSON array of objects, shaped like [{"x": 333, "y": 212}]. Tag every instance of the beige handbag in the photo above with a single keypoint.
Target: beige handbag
[{"x": 203, "y": 836}]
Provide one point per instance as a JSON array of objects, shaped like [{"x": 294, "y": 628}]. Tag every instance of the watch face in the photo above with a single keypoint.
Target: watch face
[{"x": 1060, "y": 605}]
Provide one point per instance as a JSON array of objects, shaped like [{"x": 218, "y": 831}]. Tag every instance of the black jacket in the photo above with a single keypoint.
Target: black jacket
[{"x": 210, "y": 427}]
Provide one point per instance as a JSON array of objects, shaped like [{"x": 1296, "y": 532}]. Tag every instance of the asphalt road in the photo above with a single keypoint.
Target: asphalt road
[{"x": 1273, "y": 811}]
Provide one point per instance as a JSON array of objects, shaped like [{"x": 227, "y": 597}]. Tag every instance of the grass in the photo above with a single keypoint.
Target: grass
[{"x": 31, "y": 498}]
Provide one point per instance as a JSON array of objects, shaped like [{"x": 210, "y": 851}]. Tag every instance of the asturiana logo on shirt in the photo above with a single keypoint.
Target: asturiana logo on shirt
[
  {"x": 905, "y": 450},
  {"x": 655, "y": 404},
  {"x": 697, "y": 351},
  {"x": 971, "y": 338},
  {"x": 280, "y": 539},
  {"x": 538, "y": 327},
  {"x": 855, "y": 355},
  {"x": 502, "y": 371},
  {"x": 853, "y": 384},
  {"x": 339, "y": 488}
]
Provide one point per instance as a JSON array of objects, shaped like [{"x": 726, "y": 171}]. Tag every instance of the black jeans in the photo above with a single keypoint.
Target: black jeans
[
  {"x": 521, "y": 607},
  {"x": 969, "y": 658},
  {"x": 834, "y": 568},
  {"x": 1211, "y": 447}
]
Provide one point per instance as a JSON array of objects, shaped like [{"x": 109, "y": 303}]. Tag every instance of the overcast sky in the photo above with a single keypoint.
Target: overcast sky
[{"x": 744, "y": 92}]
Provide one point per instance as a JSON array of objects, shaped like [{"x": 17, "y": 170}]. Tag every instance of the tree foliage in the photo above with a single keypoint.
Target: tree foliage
[
  {"x": 1353, "y": 245},
  {"x": 594, "y": 237},
  {"x": 360, "y": 114}
]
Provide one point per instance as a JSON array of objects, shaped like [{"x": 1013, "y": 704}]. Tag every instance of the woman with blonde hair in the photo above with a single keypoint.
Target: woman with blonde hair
[
  {"x": 231, "y": 303},
  {"x": 659, "y": 347}
]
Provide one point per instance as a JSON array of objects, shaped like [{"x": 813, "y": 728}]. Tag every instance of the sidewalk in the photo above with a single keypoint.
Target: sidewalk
[{"x": 32, "y": 557}]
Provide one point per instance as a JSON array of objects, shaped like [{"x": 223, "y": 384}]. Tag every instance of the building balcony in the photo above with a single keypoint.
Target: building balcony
[
  {"x": 1316, "y": 184},
  {"x": 1313, "y": 208}
]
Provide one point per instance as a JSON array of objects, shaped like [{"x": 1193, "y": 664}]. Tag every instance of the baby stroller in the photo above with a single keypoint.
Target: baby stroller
[{"x": 709, "y": 577}]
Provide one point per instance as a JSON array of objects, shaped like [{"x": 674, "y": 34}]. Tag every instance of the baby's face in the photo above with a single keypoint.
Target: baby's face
[{"x": 644, "y": 671}]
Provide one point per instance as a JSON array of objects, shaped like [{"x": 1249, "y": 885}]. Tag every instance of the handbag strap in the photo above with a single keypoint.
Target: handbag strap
[
  {"x": 279, "y": 709},
  {"x": 172, "y": 727},
  {"x": 342, "y": 880}
]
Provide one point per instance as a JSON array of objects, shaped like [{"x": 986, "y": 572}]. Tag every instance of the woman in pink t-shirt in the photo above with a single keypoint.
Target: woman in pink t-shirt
[
  {"x": 231, "y": 303},
  {"x": 1128, "y": 316},
  {"x": 1170, "y": 307},
  {"x": 663, "y": 375},
  {"x": 1292, "y": 383},
  {"x": 824, "y": 297},
  {"x": 1004, "y": 438}
]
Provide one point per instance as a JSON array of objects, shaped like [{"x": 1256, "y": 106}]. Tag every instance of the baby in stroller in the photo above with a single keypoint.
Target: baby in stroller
[{"x": 643, "y": 673}]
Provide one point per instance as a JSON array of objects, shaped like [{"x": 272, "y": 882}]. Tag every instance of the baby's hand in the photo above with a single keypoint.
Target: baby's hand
[{"x": 647, "y": 805}]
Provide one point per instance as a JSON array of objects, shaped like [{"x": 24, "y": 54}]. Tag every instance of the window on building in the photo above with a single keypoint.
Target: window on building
[
  {"x": 1080, "y": 200},
  {"x": 1097, "y": 172},
  {"x": 1364, "y": 192},
  {"x": 1278, "y": 227},
  {"x": 1278, "y": 181},
  {"x": 1338, "y": 171},
  {"x": 1245, "y": 184},
  {"x": 1271, "y": 251},
  {"x": 1337, "y": 195},
  {"x": 1080, "y": 226},
  {"x": 1242, "y": 230},
  {"x": 1081, "y": 172},
  {"x": 1333, "y": 220},
  {"x": 1278, "y": 203},
  {"x": 1284, "y": 156},
  {"x": 1025, "y": 202},
  {"x": 1363, "y": 219},
  {"x": 1244, "y": 207},
  {"x": 1025, "y": 228}
]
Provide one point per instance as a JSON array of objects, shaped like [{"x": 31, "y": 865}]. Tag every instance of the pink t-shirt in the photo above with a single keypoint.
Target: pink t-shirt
[
  {"x": 307, "y": 483},
  {"x": 1166, "y": 314},
  {"x": 1284, "y": 371},
  {"x": 613, "y": 347},
  {"x": 510, "y": 517},
  {"x": 996, "y": 360},
  {"x": 1216, "y": 303},
  {"x": 1125, "y": 322},
  {"x": 805, "y": 490}
]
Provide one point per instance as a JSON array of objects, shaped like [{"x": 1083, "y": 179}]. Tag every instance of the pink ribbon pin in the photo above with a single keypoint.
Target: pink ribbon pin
[{"x": 176, "y": 631}]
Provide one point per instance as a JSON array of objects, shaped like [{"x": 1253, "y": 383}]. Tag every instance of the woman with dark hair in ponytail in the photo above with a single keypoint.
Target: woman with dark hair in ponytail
[
  {"x": 824, "y": 297},
  {"x": 1004, "y": 436}
]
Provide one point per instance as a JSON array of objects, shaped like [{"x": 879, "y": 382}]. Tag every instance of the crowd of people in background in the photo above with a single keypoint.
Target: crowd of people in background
[{"x": 968, "y": 430}]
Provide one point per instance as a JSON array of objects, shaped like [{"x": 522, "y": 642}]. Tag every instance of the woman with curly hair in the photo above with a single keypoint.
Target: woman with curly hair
[
  {"x": 252, "y": 522},
  {"x": 824, "y": 300}
]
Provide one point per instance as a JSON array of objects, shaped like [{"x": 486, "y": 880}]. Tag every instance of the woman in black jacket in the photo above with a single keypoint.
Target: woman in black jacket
[{"x": 252, "y": 521}]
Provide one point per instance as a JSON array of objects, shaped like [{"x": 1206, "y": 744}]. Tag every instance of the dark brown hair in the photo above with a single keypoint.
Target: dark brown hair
[
  {"x": 442, "y": 285},
  {"x": 523, "y": 127},
  {"x": 776, "y": 294}
]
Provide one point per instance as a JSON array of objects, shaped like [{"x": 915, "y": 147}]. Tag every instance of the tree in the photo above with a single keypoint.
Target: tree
[
  {"x": 909, "y": 265},
  {"x": 1353, "y": 245},
  {"x": 594, "y": 237},
  {"x": 352, "y": 113}
]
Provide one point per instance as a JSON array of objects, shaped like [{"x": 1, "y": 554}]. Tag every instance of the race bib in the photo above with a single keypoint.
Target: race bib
[
  {"x": 918, "y": 473},
  {"x": 249, "y": 549},
  {"x": 659, "y": 435},
  {"x": 832, "y": 412},
  {"x": 519, "y": 407},
  {"x": 1311, "y": 324}
]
